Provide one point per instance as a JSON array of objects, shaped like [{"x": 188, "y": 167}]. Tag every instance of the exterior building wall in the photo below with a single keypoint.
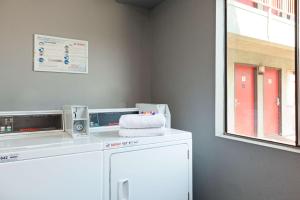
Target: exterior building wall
[
  {"x": 255, "y": 23},
  {"x": 258, "y": 59}
]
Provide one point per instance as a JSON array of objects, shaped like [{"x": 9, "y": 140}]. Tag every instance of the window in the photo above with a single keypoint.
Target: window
[{"x": 260, "y": 70}]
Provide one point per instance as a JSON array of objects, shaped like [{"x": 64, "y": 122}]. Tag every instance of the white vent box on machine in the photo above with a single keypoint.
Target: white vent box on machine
[{"x": 76, "y": 119}]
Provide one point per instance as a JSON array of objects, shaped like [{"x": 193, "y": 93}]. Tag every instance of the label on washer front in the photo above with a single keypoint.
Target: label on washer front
[
  {"x": 121, "y": 144},
  {"x": 8, "y": 158}
]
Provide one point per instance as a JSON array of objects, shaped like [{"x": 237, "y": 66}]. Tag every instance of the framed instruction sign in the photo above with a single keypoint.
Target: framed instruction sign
[{"x": 55, "y": 54}]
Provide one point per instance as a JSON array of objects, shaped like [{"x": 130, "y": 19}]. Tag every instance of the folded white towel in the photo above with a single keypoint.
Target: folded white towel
[
  {"x": 136, "y": 121},
  {"x": 151, "y": 132}
]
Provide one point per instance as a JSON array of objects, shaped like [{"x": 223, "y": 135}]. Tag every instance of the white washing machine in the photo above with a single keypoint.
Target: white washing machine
[
  {"x": 51, "y": 166},
  {"x": 147, "y": 168}
]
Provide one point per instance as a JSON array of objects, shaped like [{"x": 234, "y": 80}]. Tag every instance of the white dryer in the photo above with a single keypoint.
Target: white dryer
[{"x": 147, "y": 168}]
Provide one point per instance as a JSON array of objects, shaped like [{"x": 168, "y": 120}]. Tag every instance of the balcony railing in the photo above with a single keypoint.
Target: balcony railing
[{"x": 281, "y": 8}]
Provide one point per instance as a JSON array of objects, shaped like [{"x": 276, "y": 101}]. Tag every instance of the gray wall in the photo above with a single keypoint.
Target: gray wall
[
  {"x": 183, "y": 77},
  {"x": 118, "y": 54}
]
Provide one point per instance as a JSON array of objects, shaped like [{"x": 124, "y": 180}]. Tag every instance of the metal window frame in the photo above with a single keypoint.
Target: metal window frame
[{"x": 297, "y": 57}]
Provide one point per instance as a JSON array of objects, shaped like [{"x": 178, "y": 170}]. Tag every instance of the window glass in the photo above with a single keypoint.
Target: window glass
[{"x": 261, "y": 69}]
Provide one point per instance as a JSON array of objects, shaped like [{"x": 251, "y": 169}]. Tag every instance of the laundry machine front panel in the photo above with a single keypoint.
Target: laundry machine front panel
[
  {"x": 160, "y": 173},
  {"x": 75, "y": 176}
]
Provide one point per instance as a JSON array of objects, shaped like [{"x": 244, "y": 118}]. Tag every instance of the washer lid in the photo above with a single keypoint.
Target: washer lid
[{"x": 23, "y": 147}]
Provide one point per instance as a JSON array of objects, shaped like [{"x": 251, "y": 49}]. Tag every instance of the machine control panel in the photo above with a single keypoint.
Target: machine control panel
[
  {"x": 104, "y": 119},
  {"x": 30, "y": 122}
]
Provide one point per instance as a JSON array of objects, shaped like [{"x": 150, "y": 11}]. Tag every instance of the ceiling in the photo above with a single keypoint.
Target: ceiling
[{"x": 148, "y": 4}]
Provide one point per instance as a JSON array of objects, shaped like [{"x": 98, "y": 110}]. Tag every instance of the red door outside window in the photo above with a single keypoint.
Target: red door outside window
[
  {"x": 245, "y": 97},
  {"x": 272, "y": 119}
]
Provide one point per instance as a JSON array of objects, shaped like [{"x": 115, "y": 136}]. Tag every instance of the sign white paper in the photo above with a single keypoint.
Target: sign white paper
[{"x": 54, "y": 54}]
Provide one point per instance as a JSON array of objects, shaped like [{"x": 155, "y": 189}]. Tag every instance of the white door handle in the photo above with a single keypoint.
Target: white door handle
[{"x": 123, "y": 189}]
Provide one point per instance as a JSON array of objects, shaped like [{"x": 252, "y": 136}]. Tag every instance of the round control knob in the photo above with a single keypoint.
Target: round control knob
[{"x": 79, "y": 126}]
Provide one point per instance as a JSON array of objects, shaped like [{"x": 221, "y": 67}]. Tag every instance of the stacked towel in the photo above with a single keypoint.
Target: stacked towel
[
  {"x": 139, "y": 125},
  {"x": 134, "y": 121}
]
